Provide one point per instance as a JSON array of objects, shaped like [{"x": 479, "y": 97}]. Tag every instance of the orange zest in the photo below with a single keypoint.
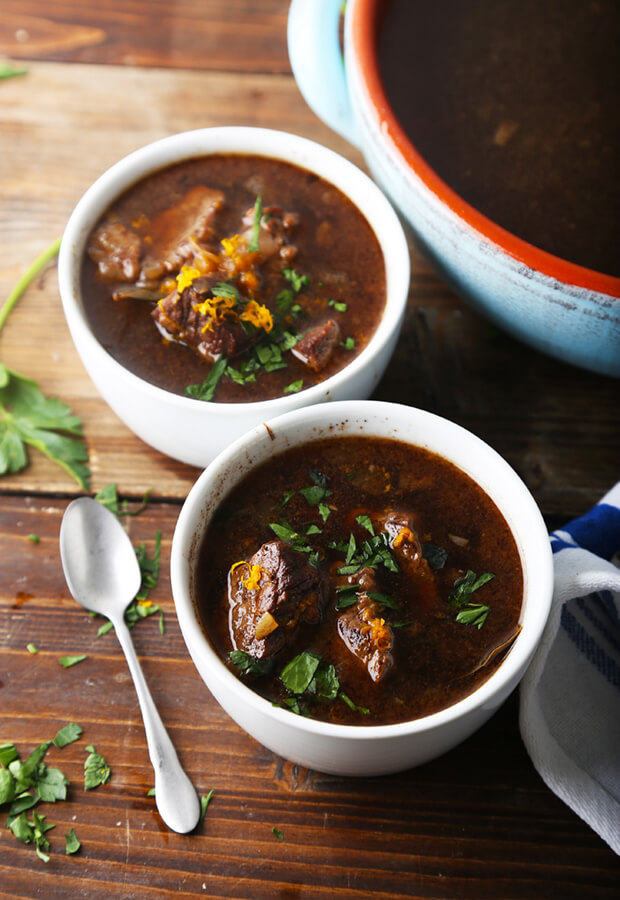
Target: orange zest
[{"x": 252, "y": 580}]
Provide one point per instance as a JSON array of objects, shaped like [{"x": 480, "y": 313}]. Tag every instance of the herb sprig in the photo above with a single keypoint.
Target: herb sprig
[{"x": 469, "y": 613}]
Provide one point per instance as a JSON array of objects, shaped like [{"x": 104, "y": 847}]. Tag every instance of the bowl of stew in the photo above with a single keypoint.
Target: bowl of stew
[
  {"x": 494, "y": 129},
  {"x": 360, "y": 584},
  {"x": 220, "y": 277}
]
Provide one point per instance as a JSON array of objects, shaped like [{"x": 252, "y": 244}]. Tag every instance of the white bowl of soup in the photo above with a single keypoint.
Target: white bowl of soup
[
  {"x": 361, "y": 584},
  {"x": 218, "y": 278}
]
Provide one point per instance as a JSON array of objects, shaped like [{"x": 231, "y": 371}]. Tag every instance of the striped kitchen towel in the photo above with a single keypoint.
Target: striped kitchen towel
[{"x": 570, "y": 695}]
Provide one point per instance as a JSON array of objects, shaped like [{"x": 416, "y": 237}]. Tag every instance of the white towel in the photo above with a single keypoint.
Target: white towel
[{"x": 570, "y": 695}]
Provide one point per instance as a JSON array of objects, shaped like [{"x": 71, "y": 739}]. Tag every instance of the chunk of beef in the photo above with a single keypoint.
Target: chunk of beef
[
  {"x": 317, "y": 345},
  {"x": 273, "y": 234},
  {"x": 173, "y": 230},
  {"x": 367, "y": 635},
  {"x": 284, "y": 592},
  {"x": 179, "y": 318},
  {"x": 402, "y": 527},
  {"x": 116, "y": 250}
]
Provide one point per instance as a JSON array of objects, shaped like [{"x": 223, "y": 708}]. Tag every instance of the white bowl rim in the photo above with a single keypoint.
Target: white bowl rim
[
  {"x": 236, "y": 140},
  {"x": 203, "y": 652}
]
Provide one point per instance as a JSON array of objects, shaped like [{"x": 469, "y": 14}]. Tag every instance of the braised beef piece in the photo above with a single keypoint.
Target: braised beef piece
[
  {"x": 402, "y": 528},
  {"x": 175, "y": 230},
  {"x": 274, "y": 231},
  {"x": 116, "y": 250},
  {"x": 283, "y": 592},
  {"x": 364, "y": 630},
  {"x": 178, "y": 317},
  {"x": 317, "y": 345}
]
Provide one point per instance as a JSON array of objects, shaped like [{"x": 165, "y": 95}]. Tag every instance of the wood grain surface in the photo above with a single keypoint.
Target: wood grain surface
[{"x": 104, "y": 79}]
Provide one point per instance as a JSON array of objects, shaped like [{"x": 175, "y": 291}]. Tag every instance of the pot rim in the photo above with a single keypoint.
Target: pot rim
[{"x": 361, "y": 34}]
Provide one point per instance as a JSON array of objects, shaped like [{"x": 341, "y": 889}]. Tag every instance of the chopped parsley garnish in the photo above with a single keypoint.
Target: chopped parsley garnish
[
  {"x": 308, "y": 679},
  {"x": 294, "y": 387},
  {"x": 459, "y": 597},
  {"x": 250, "y": 665},
  {"x": 205, "y": 799},
  {"x": 34, "y": 538},
  {"x": 348, "y": 343},
  {"x": 371, "y": 554},
  {"x": 297, "y": 281},
  {"x": 108, "y": 497},
  {"x": 67, "y": 735},
  {"x": 72, "y": 844},
  {"x": 96, "y": 769},
  {"x": 67, "y": 661},
  {"x": 32, "y": 648},
  {"x": 338, "y": 305},
  {"x": 26, "y": 783},
  {"x": 435, "y": 556},
  {"x": 277, "y": 833},
  {"x": 253, "y": 243},
  {"x": 206, "y": 390},
  {"x": 8, "y": 70}
]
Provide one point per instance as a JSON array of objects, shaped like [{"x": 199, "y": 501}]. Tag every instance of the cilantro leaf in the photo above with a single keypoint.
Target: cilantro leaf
[
  {"x": 465, "y": 586},
  {"x": 7, "y": 786},
  {"x": 299, "y": 672},
  {"x": 47, "y": 424},
  {"x": 473, "y": 614},
  {"x": 298, "y": 281}
]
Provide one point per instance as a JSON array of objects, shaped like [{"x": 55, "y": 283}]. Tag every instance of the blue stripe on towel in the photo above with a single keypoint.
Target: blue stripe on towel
[
  {"x": 597, "y": 530},
  {"x": 605, "y": 664}
]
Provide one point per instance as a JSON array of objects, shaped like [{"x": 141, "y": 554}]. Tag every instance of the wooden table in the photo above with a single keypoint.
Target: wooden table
[{"x": 102, "y": 80}]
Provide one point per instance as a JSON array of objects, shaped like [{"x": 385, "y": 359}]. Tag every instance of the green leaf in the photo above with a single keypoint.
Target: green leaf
[
  {"x": 72, "y": 844},
  {"x": 96, "y": 769},
  {"x": 346, "y": 699},
  {"x": 434, "y": 555},
  {"x": 205, "y": 799},
  {"x": 8, "y": 752},
  {"x": 52, "y": 785},
  {"x": 327, "y": 684},
  {"x": 473, "y": 614},
  {"x": 22, "y": 802},
  {"x": 29, "y": 417},
  {"x": 298, "y": 281},
  {"x": 34, "y": 538},
  {"x": 348, "y": 343},
  {"x": 324, "y": 511},
  {"x": 347, "y": 596},
  {"x": 7, "y": 787},
  {"x": 277, "y": 833},
  {"x": 294, "y": 387},
  {"x": 32, "y": 648},
  {"x": 314, "y": 494},
  {"x": 206, "y": 390},
  {"x": 250, "y": 665},
  {"x": 226, "y": 289},
  {"x": 337, "y": 305},
  {"x": 465, "y": 586},
  {"x": 67, "y": 661},
  {"x": 8, "y": 70},
  {"x": 22, "y": 829},
  {"x": 25, "y": 772},
  {"x": 364, "y": 521},
  {"x": 299, "y": 672},
  {"x": 67, "y": 734},
  {"x": 253, "y": 244},
  {"x": 384, "y": 600}
]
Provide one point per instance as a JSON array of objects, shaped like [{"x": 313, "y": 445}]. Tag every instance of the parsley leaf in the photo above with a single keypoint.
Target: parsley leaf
[
  {"x": 473, "y": 614},
  {"x": 277, "y": 833},
  {"x": 250, "y": 665},
  {"x": 205, "y": 799},
  {"x": 206, "y": 390},
  {"x": 67, "y": 661},
  {"x": 72, "y": 844},
  {"x": 29, "y": 417},
  {"x": 8, "y": 70},
  {"x": 294, "y": 387},
  {"x": 298, "y": 281},
  {"x": 299, "y": 672},
  {"x": 465, "y": 586},
  {"x": 96, "y": 769},
  {"x": 253, "y": 243},
  {"x": 67, "y": 735}
]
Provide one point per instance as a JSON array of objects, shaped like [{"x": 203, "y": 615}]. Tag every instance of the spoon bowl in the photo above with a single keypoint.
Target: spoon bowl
[{"x": 103, "y": 575}]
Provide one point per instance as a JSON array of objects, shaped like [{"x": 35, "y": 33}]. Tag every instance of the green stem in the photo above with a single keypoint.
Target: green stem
[{"x": 39, "y": 263}]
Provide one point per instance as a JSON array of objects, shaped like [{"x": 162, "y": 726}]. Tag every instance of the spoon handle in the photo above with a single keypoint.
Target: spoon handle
[{"x": 176, "y": 798}]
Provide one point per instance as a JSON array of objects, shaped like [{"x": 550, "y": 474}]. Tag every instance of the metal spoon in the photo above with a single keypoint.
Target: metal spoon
[{"x": 103, "y": 575}]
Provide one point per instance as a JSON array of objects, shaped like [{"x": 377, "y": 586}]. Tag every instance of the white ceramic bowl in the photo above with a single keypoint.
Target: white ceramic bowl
[
  {"x": 190, "y": 430},
  {"x": 362, "y": 750}
]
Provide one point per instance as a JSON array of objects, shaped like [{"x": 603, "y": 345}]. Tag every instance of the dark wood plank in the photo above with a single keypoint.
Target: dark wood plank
[
  {"x": 476, "y": 823},
  {"x": 223, "y": 35}
]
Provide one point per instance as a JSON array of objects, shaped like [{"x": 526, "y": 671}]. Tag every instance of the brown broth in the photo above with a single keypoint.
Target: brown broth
[
  {"x": 337, "y": 250},
  {"x": 435, "y": 657},
  {"x": 515, "y": 105}
]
